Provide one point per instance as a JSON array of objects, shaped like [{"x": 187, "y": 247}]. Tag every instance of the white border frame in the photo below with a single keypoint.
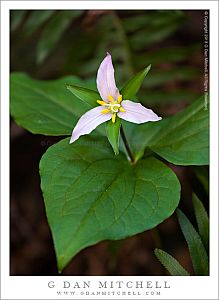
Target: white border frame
[{"x": 36, "y": 287}]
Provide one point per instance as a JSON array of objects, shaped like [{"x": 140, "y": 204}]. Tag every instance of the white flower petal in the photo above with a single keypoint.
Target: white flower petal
[
  {"x": 137, "y": 113},
  {"x": 105, "y": 79},
  {"x": 89, "y": 121}
]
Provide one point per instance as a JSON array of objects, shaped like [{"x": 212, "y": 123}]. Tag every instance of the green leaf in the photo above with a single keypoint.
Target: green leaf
[
  {"x": 160, "y": 28},
  {"x": 16, "y": 16},
  {"x": 159, "y": 78},
  {"x": 131, "y": 88},
  {"x": 92, "y": 195},
  {"x": 182, "y": 139},
  {"x": 45, "y": 107},
  {"x": 170, "y": 54},
  {"x": 144, "y": 38},
  {"x": 154, "y": 98},
  {"x": 113, "y": 133},
  {"x": 196, "y": 248},
  {"x": 202, "y": 220},
  {"x": 170, "y": 263},
  {"x": 35, "y": 19},
  {"x": 86, "y": 95},
  {"x": 152, "y": 20},
  {"x": 53, "y": 32}
]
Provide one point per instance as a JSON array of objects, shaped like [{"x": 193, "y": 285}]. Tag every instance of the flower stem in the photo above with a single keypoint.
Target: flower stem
[{"x": 127, "y": 147}]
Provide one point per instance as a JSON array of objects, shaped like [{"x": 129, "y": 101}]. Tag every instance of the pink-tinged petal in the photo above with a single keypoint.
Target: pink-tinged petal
[
  {"x": 89, "y": 121},
  {"x": 137, "y": 113},
  {"x": 105, "y": 79}
]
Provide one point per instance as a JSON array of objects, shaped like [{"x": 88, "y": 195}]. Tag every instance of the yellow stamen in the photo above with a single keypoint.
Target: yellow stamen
[
  {"x": 119, "y": 98},
  {"x": 114, "y": 118},
  {"x": 105, "y": 111},
  {"x": 101, "y": 102},
  {"x": 110, "y": 98},
  {"x": 121, "y": 109}
]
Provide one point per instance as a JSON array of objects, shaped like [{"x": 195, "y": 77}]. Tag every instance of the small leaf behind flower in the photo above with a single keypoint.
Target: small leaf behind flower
[
  {"x": 87, "y": 95},
  {"x": 131, "y": 88},
  {"x": 113, "y": 133},
  {"x": 170, "y": 263}
]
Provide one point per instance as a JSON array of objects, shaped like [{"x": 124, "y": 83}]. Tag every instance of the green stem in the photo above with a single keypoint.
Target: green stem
[{"x": 127, "y": 147}]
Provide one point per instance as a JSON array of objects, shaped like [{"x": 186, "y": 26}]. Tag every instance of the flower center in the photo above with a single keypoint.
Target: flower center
[{"x": 113, "y": 107}]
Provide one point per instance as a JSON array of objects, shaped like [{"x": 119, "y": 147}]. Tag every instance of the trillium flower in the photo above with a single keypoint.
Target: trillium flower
[{"x": 112, "y": 105}]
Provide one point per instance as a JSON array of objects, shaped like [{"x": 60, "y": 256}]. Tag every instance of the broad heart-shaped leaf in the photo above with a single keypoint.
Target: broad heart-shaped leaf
[
  {"x": 196, "y": 248},
  {"x": 45, "y": 107},
  {"x": 182, "y": 139},
  {"x": 131, "y": 88},
  {"x": 92, "y": 195},
  {"x": 170, "y": 263}
]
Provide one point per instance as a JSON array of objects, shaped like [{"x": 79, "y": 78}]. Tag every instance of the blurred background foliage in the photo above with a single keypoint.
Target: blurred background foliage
[{"x": 50, "y": 44}]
